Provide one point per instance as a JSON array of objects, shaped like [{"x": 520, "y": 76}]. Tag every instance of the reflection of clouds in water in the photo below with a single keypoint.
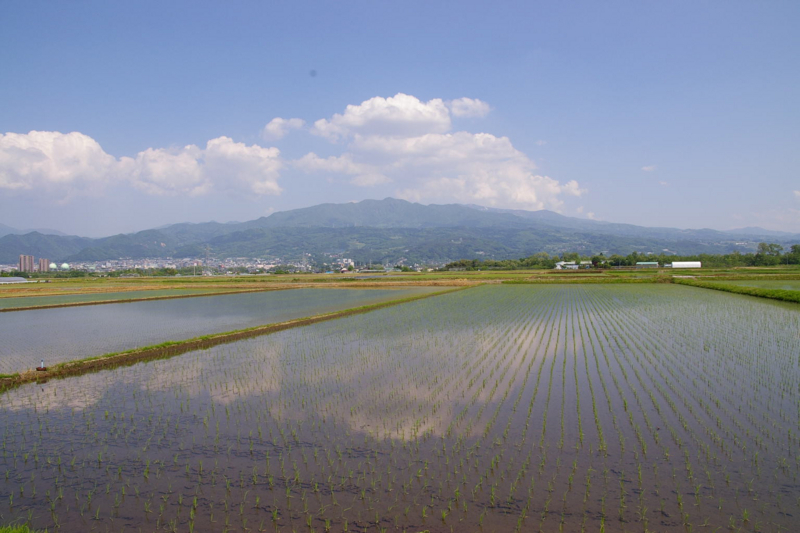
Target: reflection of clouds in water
[
  {"x": 390, "y": 389},
  {"x": 223, "y": 373},
  {"x": 357, "y": 371},
  {"x": 77, "y": 332},
  {"x": 288, "y": 397},
  {"x": 75, "y": 393},
  {"x": 202, "y": 373}
]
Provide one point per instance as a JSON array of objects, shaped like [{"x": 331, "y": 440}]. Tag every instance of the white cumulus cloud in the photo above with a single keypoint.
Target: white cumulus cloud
[
  {"x": 222, "y": 165},
  {"x": 237, "y": 166},
  {"x": 165, "y": 172},
  {"x": 362, "y": 174},
  {"x": 278, "y": 127},
  {"x": 73, "y": 163},
  {"x": 400, "y": 115},
  {"x": 468, "y": 107},
  {"x": 461, "y": 166},
  {"x": 408, "y": 142},
  {"x": 52, "y": 161},
  {"x": 797, "y": 193},
  {"x": 649, "y": 168}
]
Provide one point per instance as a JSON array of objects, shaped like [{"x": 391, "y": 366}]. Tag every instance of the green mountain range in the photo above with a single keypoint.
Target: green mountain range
[{"x": 387, "y": 231}]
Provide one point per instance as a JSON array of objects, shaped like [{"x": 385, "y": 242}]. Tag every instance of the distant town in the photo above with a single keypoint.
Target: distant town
[
  {"x": 199, "y": 266},
  {"x": 30, "y": 266}
]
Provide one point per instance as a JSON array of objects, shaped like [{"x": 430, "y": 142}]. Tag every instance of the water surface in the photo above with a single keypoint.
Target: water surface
[
  {"x": 499, "y": 408},
  {"x": 64, "y": 334},
  {"x": 58, "y": 299}
]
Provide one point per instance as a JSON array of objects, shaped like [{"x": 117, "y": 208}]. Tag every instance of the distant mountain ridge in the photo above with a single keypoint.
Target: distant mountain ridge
[
  {"x": 760, "y": 232},
  {"x": 8, "y": 230},
  {"x": 389, "y": 230},
  {"x": 612, "y": 228}
]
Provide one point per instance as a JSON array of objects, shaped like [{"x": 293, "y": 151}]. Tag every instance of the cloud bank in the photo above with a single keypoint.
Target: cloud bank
[
  {"x": 68, "y": 164},
  {"x": 49, "y": 160},
  {"x": 410, "y": 143},
  {"x": 399, "y": 143}
]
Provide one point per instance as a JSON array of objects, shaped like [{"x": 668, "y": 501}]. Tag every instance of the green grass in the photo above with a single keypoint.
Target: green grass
[
  {"x": 774, "y": 294},
  {"x": 782, "y": 284},
  {"x": 604, "y": 280},
  {"x": 16, "y": 529}
]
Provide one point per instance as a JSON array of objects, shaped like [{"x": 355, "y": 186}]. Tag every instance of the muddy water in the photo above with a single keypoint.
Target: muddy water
[{"x": 496, "y": 408}]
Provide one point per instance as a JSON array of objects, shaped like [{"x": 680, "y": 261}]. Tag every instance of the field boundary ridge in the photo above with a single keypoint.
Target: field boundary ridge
[
  {"x": 133, "y": 300},
  {"x": 772, "y": 294},
  {"x": 172, "y": 348}
]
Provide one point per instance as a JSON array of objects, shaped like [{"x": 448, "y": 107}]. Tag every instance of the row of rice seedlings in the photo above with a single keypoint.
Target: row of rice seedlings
[
  {"x": 60, "y": 335},
  {"x": 640, "y": 455},
  {"x": 717, "y": 410},
  {"x": 710, "y": 432},
  {"x": 348, "y": 425}
]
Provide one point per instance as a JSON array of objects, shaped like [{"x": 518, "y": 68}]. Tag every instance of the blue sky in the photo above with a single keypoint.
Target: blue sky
[{"x": 681, "y": 114}]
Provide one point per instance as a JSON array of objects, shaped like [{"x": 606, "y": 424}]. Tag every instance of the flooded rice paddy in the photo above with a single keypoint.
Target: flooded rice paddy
[
  {"x": 65, "y": 334},
  {"x": 503, "y": 408},
  {"x": 10, "y": 302}
]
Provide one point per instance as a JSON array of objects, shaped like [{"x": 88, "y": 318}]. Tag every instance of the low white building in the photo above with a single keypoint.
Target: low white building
[
  {"x": 572, "y": 265},
  {"x": 13, "y": 279},
  {"x": 687, "y": 264},
  {"x": 566, "y": 265}
]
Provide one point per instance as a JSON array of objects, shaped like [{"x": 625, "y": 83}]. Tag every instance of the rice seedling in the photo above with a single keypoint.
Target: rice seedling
[
  {"x": 570, "y": 408},
  {"x": 75, "y": 333}
]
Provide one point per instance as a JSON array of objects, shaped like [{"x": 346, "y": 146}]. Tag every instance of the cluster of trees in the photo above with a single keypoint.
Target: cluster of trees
[
  {"x": 541, "y": 260},
  {"x": 767, "y": 254},
  {"x": 51, "y": 274}
]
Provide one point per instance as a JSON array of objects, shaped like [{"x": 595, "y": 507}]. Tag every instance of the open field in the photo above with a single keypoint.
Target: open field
[
  {"x": 64, "y": 334},
  {"x": 785, "y": 285},
  {"x": 785, "y": 295},
  {"x": 623, "y": 407},
  {"x": 234, "y": 283}
]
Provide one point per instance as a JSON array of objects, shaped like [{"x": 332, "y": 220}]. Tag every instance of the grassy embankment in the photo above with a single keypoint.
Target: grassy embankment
[
  {"x": 773, "y": 294},
  {"x": 585, "y": 279},
  {"x": 172, "y": 348}
]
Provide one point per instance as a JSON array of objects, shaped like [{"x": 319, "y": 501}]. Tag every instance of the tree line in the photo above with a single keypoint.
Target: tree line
[{"x": 767, "y": 254}]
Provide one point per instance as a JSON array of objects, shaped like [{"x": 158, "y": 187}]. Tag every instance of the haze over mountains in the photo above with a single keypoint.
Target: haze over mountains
[
  {"x": 8, "y": 230},
  {"x": 386, "y": 231}
]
